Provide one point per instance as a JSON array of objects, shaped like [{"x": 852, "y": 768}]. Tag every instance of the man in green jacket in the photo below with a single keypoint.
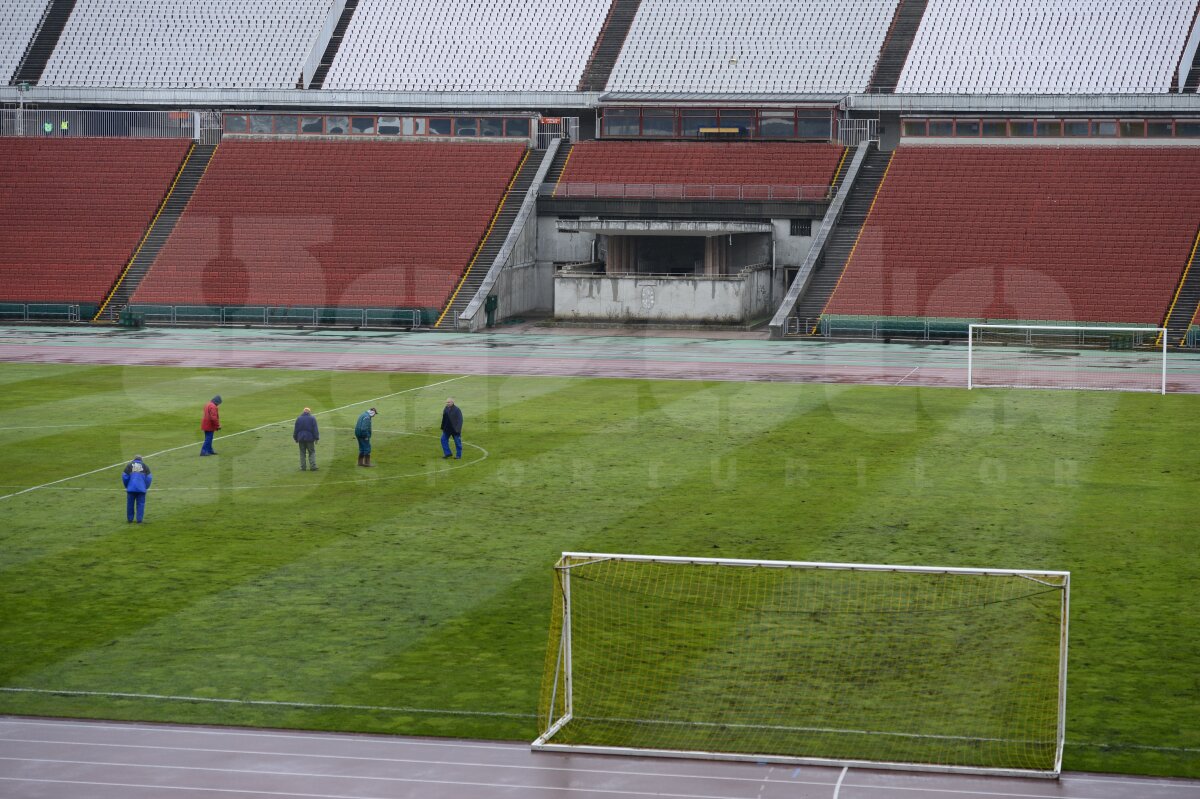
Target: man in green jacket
[{"x": 362, "y": 431}]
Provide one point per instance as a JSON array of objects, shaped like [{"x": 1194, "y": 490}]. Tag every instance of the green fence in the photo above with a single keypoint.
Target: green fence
[
  {"x": 917, "y": 328},
  {"x": 290, "y": 316},
  {"x": 47, "y": 311}
]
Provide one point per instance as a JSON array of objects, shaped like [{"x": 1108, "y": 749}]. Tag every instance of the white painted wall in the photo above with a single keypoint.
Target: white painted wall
[{"x": 729, "y": 300}]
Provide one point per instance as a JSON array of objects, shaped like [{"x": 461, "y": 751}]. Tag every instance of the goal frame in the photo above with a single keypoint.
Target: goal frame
[
  {"x": 1160, "y": 340},
  {"x": 544, "y": 742}
]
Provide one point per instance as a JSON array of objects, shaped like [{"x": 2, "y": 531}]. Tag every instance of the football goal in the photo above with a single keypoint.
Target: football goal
[
  {"x": 933, "y": 669},
  {"x": 1061, "y": 356}
]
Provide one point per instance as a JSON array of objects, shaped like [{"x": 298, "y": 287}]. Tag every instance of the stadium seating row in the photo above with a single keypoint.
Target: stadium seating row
[{"x": 18, "y": 22}]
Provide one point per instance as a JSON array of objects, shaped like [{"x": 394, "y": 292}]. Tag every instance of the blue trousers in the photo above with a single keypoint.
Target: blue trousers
[
  {"x": 446, "y": 445},
  {"x": 207, "y": 449},
  {"x": 132, "y": 499},
  {"x": 364, "y": 446}
]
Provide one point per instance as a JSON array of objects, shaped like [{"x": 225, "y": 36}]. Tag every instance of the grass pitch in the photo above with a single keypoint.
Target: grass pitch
[{"x": 414, "y": 597}]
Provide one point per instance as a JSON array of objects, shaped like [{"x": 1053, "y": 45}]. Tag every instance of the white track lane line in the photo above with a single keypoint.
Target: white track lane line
[{"x": 231, "y": 435}]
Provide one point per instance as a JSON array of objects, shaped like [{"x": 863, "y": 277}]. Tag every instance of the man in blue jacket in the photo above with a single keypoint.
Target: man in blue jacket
[
  {"x": 452, "y": 420},
  {"x": 362, "y": 432},
  {"x": 305, "y": 434},
  {"x": 136, "y": 479}
]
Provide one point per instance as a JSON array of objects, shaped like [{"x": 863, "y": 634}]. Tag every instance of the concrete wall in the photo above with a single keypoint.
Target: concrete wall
[
  {"x": 562, "y": 248},
  {"x": 728, "y": 300},
  {"x": 791, "y": 250},
  {"x": 525, "y": 289}
]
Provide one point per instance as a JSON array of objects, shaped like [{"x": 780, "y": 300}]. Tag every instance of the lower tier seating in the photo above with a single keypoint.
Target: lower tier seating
[
  {"x": 74, "y": 211},
  {"x": 621, "y": 163},
  {"x": 1080, "y": 234},
  {"x": 353, "y": 224}
]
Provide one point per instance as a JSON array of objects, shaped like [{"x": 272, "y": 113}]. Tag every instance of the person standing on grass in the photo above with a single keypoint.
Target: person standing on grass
[
  {"x": 362, "y": 431},
  {"x": 452, "y": 420},
  {"x": 210, "y": 423},
  {"x": 136, "y": 479},
  {"x": 306, "y": 434}
]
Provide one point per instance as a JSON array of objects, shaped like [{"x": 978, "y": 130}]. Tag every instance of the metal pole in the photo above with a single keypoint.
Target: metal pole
[{"x": 1164, "y": 362}]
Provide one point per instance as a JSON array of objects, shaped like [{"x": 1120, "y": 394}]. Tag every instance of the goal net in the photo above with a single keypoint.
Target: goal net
[
  {"x": 1054, "y": 356},
  {"x": 887, "y": 666}
]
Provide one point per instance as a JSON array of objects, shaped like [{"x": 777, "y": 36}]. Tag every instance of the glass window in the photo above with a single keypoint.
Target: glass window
[
  {"x": 1075, "y": 127},
  {"x": 995, "y": 128},
  {"x": 1104, "y": 127},
  {"x": 1020, "y": 127},
  {"x": 235, "y": 123},
  {"x": 966, "y": 127},
  {"x": 940, "y": 127},
  {"x": 658, "y": 123},
  {"x": 516, "y": 127},
  {"x": 337, "y": 125},
  {"x": 814, "y": 126},
  {"x": 491, "y": 126},
  {"x": 621, "y": 122},
  {"x": 742, "y": 120},
  {"x": 1133, "y": 128},
  {"x": 466, "y": 127},
  {"x": 286, "y": 123},
  {"x": 260, "y": 123},
  {"x": 389, "y": 126},
  {"x": 777, "y": 125},
  {"x": 440, "y": 126},
  {"x": 694, "y": 120},
  {"x": 1187, "y": 128},
  {"x": 915, "y": 127},
  {"x": 1159, "y": 128},
  {"x": 1051, "y": 128},
  {"x": 362, "y": 125},
  {"x": 312, "y": 124}
]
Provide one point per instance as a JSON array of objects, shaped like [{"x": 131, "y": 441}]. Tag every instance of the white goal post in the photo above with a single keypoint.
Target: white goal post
[
  {"x": 876, "y": 666},
  {"x": 1067, "y": 356}
]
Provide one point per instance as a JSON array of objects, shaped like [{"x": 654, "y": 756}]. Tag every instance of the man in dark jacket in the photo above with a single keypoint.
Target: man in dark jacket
[
  {"x": 362, "y": 432},
  {"x": 306, "y": 434},
  {"x": 452, "y": 426},
  {"x": 136, "y": 479},
  {"x": 210, "y": 423}
]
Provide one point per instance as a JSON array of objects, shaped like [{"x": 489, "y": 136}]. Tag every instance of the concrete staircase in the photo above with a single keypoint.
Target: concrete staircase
[
  {"x": 1186, "y": 303},
  {"x": 558, "y": 164},
  {"x": 478, "y": 268},
  {"x": 160, "y": 230},
  {"x": 841, "y": 242},
  {"x": 41, "y": 46},
  {"x": 896, "y": 46},
  {"x": 335, "y": 41},
  {"x": 608, "y": 46}
]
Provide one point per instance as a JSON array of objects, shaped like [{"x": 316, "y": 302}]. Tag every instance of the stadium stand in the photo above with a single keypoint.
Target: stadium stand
[
  {"x": 1063, "y": 47},
  {"x": 466, "y": 45},
  {"x": 183, "y": 44},
  {"x": 18, "y": 22},
  {"x": 827, "y": 46},
  {"x": 1074, "y": 234},
  {"x": 74, "y": 211},
  {"x": 351, "y": 224},
  {"x": 619, "y": 163}
]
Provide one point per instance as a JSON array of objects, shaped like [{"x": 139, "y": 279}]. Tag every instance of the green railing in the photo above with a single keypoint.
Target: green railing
[
  {"x": 291, "y": 316},
  {"x": 46, "y": 311},
  {"x": 920, "y": 328}
]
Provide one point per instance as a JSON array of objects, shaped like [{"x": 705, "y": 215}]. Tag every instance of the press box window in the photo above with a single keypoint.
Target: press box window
[
  {"x": 801, "y": 227},
  {"x": 621, "y": 122}
]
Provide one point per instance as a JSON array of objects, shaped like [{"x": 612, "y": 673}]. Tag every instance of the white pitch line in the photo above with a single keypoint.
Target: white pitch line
[
  {"x": 231, "y": 435},
  {"x": 910, "y": 374},
  {"x": 837, "y": 789}
]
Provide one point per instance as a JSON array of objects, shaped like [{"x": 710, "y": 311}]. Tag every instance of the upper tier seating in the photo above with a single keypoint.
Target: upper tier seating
[
  {"x": 184, "y": 43},
  {"x": 1077, "y": 234},
  {"x": 467, "y": 45},
  {"x": 18, "y": 22},
  {"x": 778, "y": 164},
  {"x": 764, "y": 46},
  {"x": 74, "y": 210},
  {"x": 1061, "y": 47},
  {"x": 354, "y": 224}
]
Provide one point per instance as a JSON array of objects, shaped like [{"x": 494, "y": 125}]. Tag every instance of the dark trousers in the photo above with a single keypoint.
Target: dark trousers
[
  {"x": 311, "y": 448},
  {"x": 135, "y": 499},
  {"x": 446, "y": 444},
  {"x": 207, "y": 449}
]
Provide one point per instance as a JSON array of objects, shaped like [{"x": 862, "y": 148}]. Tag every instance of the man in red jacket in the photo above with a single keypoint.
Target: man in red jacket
[{"x": 210, "y": 424}]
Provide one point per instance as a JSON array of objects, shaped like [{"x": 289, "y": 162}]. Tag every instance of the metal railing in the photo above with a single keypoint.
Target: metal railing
[
  {"x": 268, "y": 315},
  {"x": 67, "y": 123},
  {"x": 38, "y": 311},
  {"x": 852, "y": 132},
  {"x": 683, "y": 191}
]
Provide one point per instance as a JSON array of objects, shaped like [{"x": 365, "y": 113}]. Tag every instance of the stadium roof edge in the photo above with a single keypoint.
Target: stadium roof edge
[
  {"x": 1025, "y": 103},
  {"x": 702, "y": 98},
  {"x": 295, "y": 98}
]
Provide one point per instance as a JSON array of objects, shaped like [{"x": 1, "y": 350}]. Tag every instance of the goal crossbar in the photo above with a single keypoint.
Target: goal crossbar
[
  {"x": 1142, "y": 366},
  {"x": 578, "y": 691}
]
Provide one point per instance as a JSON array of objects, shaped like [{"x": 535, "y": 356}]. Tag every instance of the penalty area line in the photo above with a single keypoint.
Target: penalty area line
[
  {"x": 269, "y": 703},
  {"x": 231, "y": 435}
]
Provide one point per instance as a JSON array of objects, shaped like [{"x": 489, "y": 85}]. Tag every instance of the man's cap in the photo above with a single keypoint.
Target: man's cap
[
  {"x": 217, "y": 400},
  {"x": 372, "y": 411}
]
